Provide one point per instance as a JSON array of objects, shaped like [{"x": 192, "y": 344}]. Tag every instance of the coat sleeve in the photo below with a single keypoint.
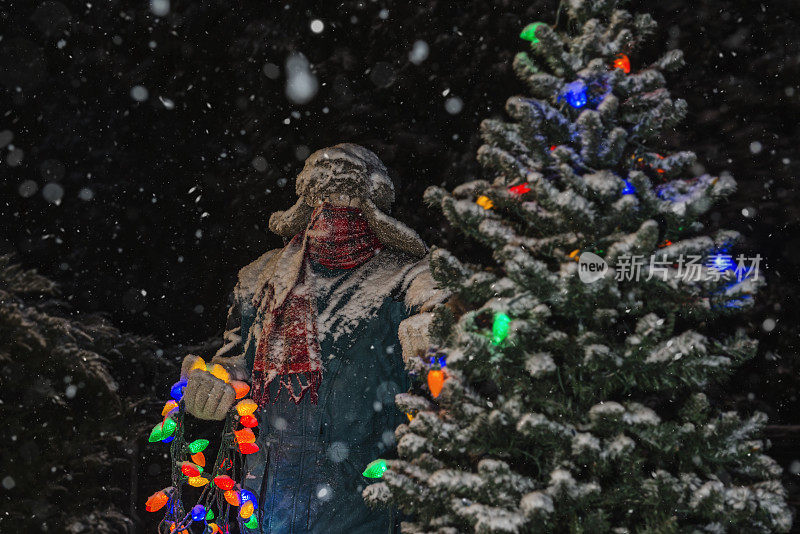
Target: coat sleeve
[
  {"x": 422, "y": 292},
  {"x": 422, "y": 295},
  {"x": 231, "y": 354}
]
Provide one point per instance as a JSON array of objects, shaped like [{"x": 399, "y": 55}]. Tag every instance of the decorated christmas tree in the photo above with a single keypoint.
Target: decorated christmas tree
[{"x": 568, "y": 386}]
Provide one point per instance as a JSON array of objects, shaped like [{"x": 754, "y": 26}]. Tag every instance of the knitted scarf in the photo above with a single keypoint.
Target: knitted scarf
[{"x": 337, "y": 237}]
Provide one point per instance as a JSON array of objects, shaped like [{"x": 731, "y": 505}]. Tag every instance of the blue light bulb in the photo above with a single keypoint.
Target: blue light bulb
[
  {"x": 247, "y": 495},
  {"x": 177, "y": 390},
  {"x": 575, "y": 94},
  {"x": 629, "y": 189},
  {"x": 722, "y": 262},
  {"x": 199, "y": 512}
]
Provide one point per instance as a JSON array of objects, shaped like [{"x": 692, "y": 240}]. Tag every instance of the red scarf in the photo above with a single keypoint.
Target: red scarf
[{"x": 337, "y": 237}]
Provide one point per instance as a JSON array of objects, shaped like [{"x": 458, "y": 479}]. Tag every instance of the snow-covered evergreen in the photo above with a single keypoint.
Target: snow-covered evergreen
[{"x": 591, "y": 415}]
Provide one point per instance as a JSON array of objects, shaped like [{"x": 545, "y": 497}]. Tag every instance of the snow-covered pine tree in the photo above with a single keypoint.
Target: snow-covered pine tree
[{"x": 591, "y": 414}]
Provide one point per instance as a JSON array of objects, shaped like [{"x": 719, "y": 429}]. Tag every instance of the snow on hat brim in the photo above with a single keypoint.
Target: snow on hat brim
[
  {"x": 351, "y": 170},
  {"x": 346, "y": 169}
]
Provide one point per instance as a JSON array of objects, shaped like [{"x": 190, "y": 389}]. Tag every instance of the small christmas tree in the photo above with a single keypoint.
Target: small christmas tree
[{"x": 575, "y": 401}]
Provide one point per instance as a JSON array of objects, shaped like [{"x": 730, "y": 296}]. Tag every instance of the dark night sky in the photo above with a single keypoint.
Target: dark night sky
[{"x": 149, "y": 151}]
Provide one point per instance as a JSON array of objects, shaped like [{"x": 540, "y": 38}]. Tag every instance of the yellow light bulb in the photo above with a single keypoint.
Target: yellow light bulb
[
  {"x": 246, "y": 407},
  {"x": 220, "y": 372},
  {"x": 198, "y": 482},
  {"x": 484, "y": 202},
  {"x": 168, "y": 407},
  {"x": 247, "y": 510},
  {"x": 199, "y": 363}
]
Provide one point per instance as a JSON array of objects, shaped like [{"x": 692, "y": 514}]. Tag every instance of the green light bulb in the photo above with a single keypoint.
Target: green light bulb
[
  {"x": 198, "y": 445},
  {"x": 529, "y": 32},
  {"x": 500, "y": 328},
  {"x": 252, "y": 522},
  {"x": 157, "y": 434},
  {"x": 209, "y": 515},
  {"x": 375, "y": 469},
  {"x": 169, "y": 426}
]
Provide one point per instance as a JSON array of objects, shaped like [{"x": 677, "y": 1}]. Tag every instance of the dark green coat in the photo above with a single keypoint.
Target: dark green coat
[{"x": 307, "y": 473}]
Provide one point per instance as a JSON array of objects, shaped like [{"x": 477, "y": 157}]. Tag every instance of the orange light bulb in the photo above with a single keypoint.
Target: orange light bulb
[
  {"x": 244, "y": 435},
  {"x": 435, "y": 381},
  {"x": 485, "y": 202},
  {"x": 199, "y": 458},
  {"x": 622, "y": 62},
  {"x": 156, "y": 501},
  {"x": 232, "y": 496},
  {"x": 241, "y": 388}
]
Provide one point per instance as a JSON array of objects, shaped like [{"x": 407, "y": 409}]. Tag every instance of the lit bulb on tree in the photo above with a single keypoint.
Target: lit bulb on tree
[
  {"x": 575, "y": 94},
  {"x": 623, "y": 63},
  {"x": 484, "y": 202},
  {"x": 529, "y": 32},
  {"x": 375, "y": 469},
  {"x": 436, "y": 375},
  {"x": 520, "y": 189},
  {"x": 500, "y": 328},
  {"x": 629, "y": 189}
]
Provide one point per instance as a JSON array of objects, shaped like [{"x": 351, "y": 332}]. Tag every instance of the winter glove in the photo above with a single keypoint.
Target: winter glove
[{"x": 206, "y": 396}]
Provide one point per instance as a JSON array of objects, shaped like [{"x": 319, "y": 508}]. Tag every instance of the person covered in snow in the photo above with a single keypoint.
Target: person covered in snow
[{"x": 313, "y": 327}]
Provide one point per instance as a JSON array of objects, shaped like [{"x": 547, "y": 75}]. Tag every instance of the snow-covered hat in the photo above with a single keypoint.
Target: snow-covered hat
[{"x": 351, "y": 170}]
